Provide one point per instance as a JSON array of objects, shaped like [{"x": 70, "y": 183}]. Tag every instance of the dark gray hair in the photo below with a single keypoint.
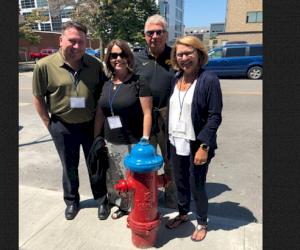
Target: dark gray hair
[{"x": 76, "y": 25}]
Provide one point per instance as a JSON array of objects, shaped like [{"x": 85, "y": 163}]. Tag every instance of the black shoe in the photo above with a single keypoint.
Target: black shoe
[
  {"x": 71, "y": 211},
  {"x": 103, "y": 210}
]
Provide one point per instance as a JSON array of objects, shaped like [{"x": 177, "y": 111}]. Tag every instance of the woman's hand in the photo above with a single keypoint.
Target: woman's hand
[{"x": 201, "y": 156}]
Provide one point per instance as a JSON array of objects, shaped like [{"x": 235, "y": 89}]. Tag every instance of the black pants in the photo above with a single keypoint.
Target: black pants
[
  {"x": 67, "y": 139},
  {"x": 190, "y": 178}
]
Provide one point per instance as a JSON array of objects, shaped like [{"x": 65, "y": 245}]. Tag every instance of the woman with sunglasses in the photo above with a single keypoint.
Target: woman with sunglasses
[
  {"x": 124, "y": 107},
  {"x": 195, "y": 108}
]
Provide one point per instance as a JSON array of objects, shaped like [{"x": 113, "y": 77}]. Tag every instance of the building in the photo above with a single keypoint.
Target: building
[
  {"x": 57, "y": 11},
  {"x": 243, "y": 22},
  {"x": 202, "y": 32},
  {"x": 215, "y": 29},
  {"x": 173, "y": 11}
]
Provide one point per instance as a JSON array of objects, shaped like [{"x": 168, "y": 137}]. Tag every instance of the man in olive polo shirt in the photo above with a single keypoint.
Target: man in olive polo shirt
[{"x": 67, "y": 85}]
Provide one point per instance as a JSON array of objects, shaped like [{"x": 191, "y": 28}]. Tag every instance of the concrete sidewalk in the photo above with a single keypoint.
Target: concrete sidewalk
[{"x": 42, "y": 226}]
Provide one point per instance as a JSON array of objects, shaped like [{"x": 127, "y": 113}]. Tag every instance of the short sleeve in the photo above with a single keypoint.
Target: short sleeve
[
  {"x": 39, "y": 81},
  {"x": 143, "y": 86}
]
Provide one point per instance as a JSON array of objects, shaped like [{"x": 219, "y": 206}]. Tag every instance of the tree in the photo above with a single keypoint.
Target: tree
[
  {"x": 26, "y": 28},
  {"x": 115, "y": 19}
]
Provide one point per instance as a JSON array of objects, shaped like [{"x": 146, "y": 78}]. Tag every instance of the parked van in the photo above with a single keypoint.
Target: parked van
[{"x": 237, "y": 60}]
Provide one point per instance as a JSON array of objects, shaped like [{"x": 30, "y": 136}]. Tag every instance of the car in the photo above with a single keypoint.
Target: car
[
  {"x": 98, "y": 53},
  {"x": 35, "y": 56},
  {"x": 244, "y": 60},
  {"x": 92, "y": 52}
]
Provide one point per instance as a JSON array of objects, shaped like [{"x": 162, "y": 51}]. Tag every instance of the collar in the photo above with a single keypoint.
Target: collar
[
  {"x": 61, "y": 61},
  {"x": 165, "y": 54}
]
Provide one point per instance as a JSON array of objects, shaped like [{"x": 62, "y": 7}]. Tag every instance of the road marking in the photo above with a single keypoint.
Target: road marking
[
  {"x": 241, "y": 93},
  {"x": 22, "y": 104}
]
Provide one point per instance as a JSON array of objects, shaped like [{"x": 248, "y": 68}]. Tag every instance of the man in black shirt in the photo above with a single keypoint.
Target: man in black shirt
[{"x": 153, "y": 63}]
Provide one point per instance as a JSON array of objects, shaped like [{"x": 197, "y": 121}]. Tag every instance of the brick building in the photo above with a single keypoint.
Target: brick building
[{"x": 243, "y": 22}]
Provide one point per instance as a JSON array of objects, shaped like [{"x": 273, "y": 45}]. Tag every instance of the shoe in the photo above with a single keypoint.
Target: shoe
[
  {"x": 199, "y": 233},
  {"x": 103, "y": 210},
  {"x": 178, "y": 220},
  {"x": 71, "y": 211},
  {"x": 119, "y": 213}
]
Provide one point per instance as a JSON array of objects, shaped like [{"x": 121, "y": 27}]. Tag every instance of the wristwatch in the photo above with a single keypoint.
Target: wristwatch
[{"x": 204, "y": 146}]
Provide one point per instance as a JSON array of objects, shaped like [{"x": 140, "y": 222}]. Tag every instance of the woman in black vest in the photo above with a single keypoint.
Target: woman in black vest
[{"x": 195, "y": 108}]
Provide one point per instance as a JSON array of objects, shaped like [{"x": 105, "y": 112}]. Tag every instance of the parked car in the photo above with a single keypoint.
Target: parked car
[
  {"x": 35, "y": 56},
  {"x": 237, "y": 60},
  {"x": 93, "y": 52},
  {"x": 98, "y": 53}
]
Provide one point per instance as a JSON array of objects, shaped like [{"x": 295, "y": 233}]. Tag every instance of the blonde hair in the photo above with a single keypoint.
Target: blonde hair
[
  {"x": 191, "y": 41},
  {"x": 156, "y": 19}
]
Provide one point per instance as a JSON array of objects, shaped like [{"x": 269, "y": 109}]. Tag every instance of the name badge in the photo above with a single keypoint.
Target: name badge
[
  {"x": 180, "y": 126},
  {"x": 114, "y": 122},
  {"x": 77, "y": 102}
]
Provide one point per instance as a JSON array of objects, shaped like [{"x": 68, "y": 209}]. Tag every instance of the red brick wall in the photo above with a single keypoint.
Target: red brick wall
[{"x": 47, "y": 40}]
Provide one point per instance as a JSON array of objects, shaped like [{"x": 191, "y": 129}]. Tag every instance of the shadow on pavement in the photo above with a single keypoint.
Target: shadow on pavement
[
  {"x": 34, "y": 142},
  {"x": 232, "y": 214},
  {"x": 89, "y": 203}
]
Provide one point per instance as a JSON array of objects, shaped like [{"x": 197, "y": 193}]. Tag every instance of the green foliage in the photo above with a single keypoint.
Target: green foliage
[
  {"x": 115, "y": 19},
  {"x": 25, "y": 29}
]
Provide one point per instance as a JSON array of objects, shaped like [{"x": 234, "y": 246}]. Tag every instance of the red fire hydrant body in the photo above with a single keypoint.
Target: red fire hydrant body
[{"x": 144, "y": 218}]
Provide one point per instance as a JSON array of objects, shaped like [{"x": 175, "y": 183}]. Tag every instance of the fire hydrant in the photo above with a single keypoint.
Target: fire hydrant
[{"x": 142, "y": 179}]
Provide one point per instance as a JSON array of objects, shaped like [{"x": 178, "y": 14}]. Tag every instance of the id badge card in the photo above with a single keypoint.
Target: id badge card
[
  {"x": 114, "y": 122},
  {"x": 77, "y": 102},
  {"x": 180, "y": 126}
]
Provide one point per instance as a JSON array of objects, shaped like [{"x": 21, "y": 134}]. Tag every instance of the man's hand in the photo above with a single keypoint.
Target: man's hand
[{"x": 201, "y": 156}]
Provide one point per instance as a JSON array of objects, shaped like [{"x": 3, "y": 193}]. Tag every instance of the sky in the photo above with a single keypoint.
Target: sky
[{"x": 203, "y": 12}]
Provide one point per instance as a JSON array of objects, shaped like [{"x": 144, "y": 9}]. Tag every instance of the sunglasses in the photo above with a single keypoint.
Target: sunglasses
[
  {"x": 114, "y": 55},
  {"x": 151, "y": 32}
]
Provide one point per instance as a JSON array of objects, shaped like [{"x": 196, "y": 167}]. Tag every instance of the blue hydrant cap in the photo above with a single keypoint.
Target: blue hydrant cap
[{"x": 143, "y": 158}]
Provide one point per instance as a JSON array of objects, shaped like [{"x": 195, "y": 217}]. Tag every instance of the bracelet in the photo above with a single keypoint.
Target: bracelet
[{"x": 145, "y": 137}]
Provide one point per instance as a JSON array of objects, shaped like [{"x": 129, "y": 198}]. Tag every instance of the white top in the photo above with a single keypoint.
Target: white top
[{"x": 181, "y": 130}]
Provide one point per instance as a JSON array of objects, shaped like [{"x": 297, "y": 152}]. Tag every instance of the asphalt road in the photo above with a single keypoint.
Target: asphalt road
[{"x": 234, "y": 180}]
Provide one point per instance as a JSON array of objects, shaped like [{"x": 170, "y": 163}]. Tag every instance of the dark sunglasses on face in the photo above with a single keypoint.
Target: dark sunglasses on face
[
  {"x": 114, "y": 55},
  {"x": 151, "y": 32}
]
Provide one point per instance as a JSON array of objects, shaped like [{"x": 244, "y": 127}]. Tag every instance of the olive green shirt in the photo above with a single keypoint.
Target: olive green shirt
[{"x": 55, "y": 80}]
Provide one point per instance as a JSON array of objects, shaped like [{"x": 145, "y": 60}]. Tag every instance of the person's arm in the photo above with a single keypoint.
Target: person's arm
[
  {"x": 99, "y": 120},
  {"x": 146, "y": 103},
  {"x": 40, "y": 105}
]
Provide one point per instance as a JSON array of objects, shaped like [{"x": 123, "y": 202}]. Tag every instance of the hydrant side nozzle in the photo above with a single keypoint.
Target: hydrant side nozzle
[{"x": 121, "y": 186}]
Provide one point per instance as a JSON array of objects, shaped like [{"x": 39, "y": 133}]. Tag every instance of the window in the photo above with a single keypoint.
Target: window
[
  {"x": 34, "y": 26},
  {"x": 217, "y": 53},
  {"x": 66, "y": 13},
  {"x": 25, "y": 14},
  {"x": 256, "y": 51},
  {"x": 56, "y": 23},
  {"x": 27, "y": 4},
  {"x": 232, "y": 52},
  {"x": 41, "y": 3},
  {"x": 45, "y": 27},
  {"x": 254, "y": 17}
]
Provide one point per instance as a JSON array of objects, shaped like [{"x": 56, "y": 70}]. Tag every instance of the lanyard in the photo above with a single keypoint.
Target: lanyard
[
  {"x": 75, "y": 80},
  {"x": 181, "y": 103},
  {"x": 111, "y": 99}
]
